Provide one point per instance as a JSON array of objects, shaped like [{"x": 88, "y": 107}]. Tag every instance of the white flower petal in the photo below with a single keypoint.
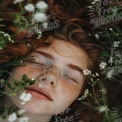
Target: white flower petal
[
  {"x": 40, "y": 17},
  {"x": 41, "y": 5},
  {"x": 102, "y": 108},
  {"x": 17, "y": 1},
  {"x": 20, "y": 112},
  {"x": 116, "y": 44},
  {"x": 110, "y": 60},
  {"x": 96, "y": 36},
  {"x": 86, "y": 72},
  {"x": 45, "y": 25},
  {"x": 23, "y": 103},
  {"x": 30, "y": 7},
  {"x": 102, "y": 65},
  {"x": 110, "y": 29},
  {"x": 93, "y": 2},
  {"x": 25, "y": 97},
  {"x": 96, "y": 74},
  {"x": 110, "y": 73},
  {"x": 12, "y": 117}
]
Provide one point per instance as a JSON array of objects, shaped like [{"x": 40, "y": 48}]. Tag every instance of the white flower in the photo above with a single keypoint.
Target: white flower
[
  {"x": 25, "y": 97},
  {"x": 22, "y": 111},
  {"x": 23, "y": 119},
  {"x": 86, "y": 92},
  {"x": 2, "y": 83},
  {"x": 116, "y": 44},
  {"x": 17, "y": 1},
  {"x": 93, "y": 2},
  {"x": 85, "y": 95},
  {"x": 89, "y": 7},
  {"x": 86, "y": 72},
  {"x": 12, "y": 117},
  {"x": 110, "y": 60},
  {"x": 110, "y": 29},
  {"x": 102, "y": 109},
  {"x": 6, "y": 35},
  {"x": 96, "y": 74},
  {"x": 40, "y": 17},
  {"x": 103, "y": 65},
  {"x": 41, "y": 5},
  {"x": 29, "y": 7},
  {"x": 39, "y": 35},
  {"x": 110, "y": 73},
  {"x": 96, "y": 36},
  {"x": 2, "y": 32},
  {"x": 45, "y": 25}
]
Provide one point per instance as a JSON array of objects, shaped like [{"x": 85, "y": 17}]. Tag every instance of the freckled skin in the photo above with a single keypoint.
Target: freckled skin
[{"x": 65, "y": 90}]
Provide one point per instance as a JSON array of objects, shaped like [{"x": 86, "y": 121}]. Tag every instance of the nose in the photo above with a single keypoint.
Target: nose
[{"x": 47, "y": 79}]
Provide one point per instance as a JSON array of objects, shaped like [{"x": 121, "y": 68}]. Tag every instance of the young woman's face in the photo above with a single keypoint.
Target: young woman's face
[{"x": 57, "y": 71}]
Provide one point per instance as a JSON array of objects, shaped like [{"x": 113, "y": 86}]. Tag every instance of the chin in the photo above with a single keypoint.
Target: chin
[{"x": 36, "y": 106}]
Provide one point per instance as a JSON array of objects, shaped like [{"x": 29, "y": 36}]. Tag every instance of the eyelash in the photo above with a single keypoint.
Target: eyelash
[
  {"x": 40, "y": 64},
  {"x": 70, "y": 78}
]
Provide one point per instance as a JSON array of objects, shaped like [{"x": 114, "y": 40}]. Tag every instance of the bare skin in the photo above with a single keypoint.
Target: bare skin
[{"x": 64, "y": 80}]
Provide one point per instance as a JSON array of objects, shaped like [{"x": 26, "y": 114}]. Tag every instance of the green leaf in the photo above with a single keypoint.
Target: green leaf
[
  {"x": 10, "y": 86},
  {"x": 11, "y": 109}
]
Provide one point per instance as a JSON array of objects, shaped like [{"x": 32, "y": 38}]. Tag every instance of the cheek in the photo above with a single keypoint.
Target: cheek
[
  {"x": 70, "y": 91},
  {"x": 28, "y": 70},
  {"x": 66, "y": 94}
]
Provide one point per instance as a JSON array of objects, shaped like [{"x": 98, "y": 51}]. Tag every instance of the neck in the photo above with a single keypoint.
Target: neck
[{"x": 32, "y": 117}]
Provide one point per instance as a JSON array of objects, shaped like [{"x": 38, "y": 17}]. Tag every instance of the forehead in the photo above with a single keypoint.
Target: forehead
[{"x": 66, "y": 52}]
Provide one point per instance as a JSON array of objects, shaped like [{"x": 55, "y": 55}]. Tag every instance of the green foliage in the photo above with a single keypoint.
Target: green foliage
[
  {"x": 6, "y": 110},
  {"x": 17, "y": 86},
  {"x": 116, "y": 113},
  {"x": 1, "y": 25},
  {"x": 5, "y": 39}
]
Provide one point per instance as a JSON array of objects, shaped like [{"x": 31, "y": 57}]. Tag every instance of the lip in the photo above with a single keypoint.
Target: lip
[{"x": 40, "y": 93}]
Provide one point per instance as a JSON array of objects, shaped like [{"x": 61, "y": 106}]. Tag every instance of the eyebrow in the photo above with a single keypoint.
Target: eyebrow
[
  {"x": 74, "y": 67},
  {"x": 44, "y": 54}
]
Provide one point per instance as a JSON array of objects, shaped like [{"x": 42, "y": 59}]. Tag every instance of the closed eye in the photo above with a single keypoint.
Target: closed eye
[
  {"x": 36, "y": 63},
  {"x": 67, "y": 76}
]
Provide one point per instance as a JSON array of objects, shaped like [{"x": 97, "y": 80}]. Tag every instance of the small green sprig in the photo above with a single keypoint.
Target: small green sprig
[
  {"x": 5, "y": 39},
  {"x": 96, "y": 93},
  {"x": 116, "y": 113},
  {"x": 10, "y": 113},
  {"x": 30, "y": 14},
  {"x": 6, "y": 110},
  {"x": 17, "y": 86},
  {"x": 112, "y": 53}
]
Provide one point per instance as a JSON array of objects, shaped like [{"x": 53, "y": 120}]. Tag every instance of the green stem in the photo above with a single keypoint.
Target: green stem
[
  {"x": 95, "y": 97},
  {"x": 2, "y": 93},
  {"x": 22, "y": 10}
]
